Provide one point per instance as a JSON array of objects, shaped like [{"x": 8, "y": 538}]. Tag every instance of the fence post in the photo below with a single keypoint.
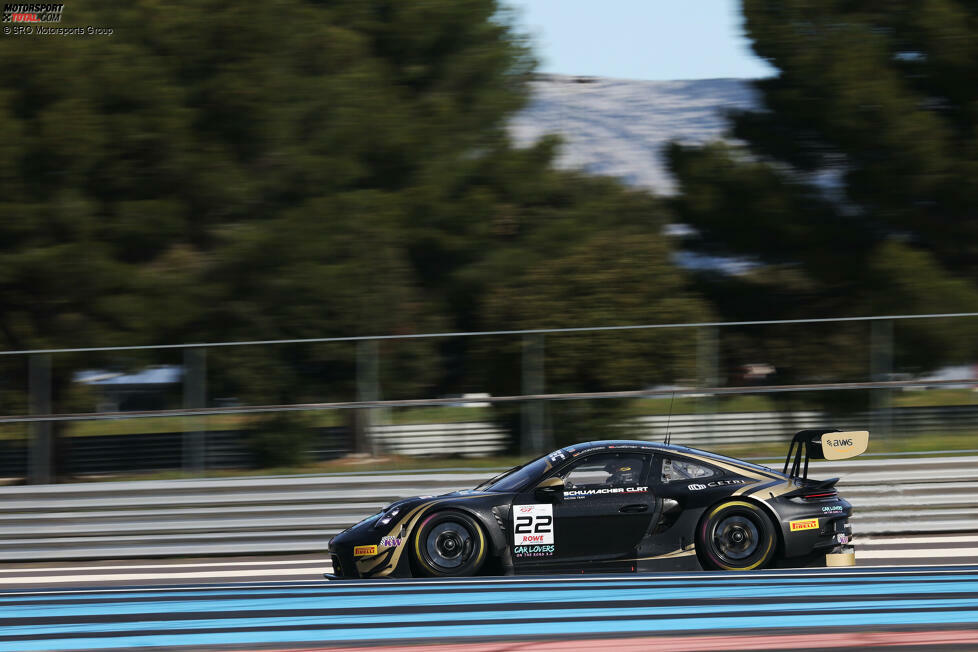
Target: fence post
[
  {"x": 533, "y": 436},
  {"x": 194, "y": 396},
  {"x": 39, "y": 387},
  {"x": 368, "y": 389},
  {"x": 881, "y": 369},
  {"x": 707, "y": 374}
]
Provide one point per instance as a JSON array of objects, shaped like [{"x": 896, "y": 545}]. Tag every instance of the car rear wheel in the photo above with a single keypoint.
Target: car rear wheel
[
  {"x": 449, "y": 544},
  {"x": 736, "y": 535}
]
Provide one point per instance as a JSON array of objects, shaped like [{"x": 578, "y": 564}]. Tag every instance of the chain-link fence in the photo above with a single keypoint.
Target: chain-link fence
[{"x": 736, "y": 385}]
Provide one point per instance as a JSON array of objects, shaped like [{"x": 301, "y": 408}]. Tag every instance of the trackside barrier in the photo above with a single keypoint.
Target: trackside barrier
[
  {"x": 469, "y": 439},
  {"x": 290, "y": 514},
  {"x": 705, "y": 430},
  {"x": 227, "y": 449}
]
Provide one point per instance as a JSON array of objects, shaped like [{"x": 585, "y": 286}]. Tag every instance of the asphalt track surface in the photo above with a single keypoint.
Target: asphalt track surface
[{"x": 281, "y": 604}]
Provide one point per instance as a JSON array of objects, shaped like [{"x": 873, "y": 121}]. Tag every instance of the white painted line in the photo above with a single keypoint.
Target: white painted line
[
  {"x": 295, "y": 562},
  {"x": 927, "y": 553},
  {"x": 316, "y": 573},
  {"x": 883, "y": 570},
  {"x": 893, "y": 541}
]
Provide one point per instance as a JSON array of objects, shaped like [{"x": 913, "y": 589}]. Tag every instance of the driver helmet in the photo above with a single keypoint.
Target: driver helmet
[{"x": 622, "y": 472}]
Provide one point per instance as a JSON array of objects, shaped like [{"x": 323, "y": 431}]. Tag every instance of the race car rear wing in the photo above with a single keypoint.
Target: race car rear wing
[{"x": 823, "y": 444}]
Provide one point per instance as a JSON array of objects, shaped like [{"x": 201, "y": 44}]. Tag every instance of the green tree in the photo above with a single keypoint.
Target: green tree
[
  {"x": 292, "y": 169},
  {"x": 852, "y": 191},
  {"x": 213, "y": 170},
  {"x": 600, "y": 259}
]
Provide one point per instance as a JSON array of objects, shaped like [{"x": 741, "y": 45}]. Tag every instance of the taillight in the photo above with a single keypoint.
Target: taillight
[{"x": 820, "y": 495}]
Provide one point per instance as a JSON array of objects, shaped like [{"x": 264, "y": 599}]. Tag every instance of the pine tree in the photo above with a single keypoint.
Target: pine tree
[{"x": 852, "y": 191}]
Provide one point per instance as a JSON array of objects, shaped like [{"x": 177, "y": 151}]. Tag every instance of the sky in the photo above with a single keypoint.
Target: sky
[{"x": 639, "y": 39}]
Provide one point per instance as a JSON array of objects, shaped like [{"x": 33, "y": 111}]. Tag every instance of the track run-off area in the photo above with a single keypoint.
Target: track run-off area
[{"x": 283, "y": 604}]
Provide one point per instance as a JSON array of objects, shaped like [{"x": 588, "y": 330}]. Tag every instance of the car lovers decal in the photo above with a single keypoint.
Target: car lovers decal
[
  {"x": 571, "y": 494},
  {"x": 532, "y": 551},
  {"x": 806, "y": 524},
  {"x": 533, "y": 525}
]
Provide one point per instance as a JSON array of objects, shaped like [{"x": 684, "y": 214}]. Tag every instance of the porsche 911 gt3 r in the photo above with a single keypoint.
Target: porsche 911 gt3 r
[{"x": 616, "y": 506}]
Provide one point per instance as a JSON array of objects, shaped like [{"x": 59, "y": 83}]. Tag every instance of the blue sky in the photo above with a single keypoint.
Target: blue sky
[{"x": 640, "y": 39}]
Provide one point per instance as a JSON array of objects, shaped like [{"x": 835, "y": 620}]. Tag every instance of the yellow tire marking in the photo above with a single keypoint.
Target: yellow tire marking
[
  {"x": 753, "y": 508},
  {"x": 420, "y": 557}
]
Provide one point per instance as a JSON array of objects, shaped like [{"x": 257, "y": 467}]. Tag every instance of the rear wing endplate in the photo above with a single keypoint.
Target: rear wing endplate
[{"x": 823, "y": 444}]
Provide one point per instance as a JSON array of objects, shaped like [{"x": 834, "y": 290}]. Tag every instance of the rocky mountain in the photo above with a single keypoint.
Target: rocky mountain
[{"x": 618, "y": 127}]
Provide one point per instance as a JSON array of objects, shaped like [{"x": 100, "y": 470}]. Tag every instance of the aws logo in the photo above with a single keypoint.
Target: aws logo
[{"x": 843, "y": 445}]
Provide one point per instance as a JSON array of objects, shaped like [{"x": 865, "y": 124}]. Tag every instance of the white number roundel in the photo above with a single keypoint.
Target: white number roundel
[{"x": 533, "y": 524}]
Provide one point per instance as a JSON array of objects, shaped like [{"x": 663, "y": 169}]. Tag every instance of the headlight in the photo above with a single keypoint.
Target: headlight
[{"x": 386, "y": 519}]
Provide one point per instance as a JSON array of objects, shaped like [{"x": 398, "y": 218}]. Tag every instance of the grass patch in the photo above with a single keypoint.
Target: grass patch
[
  {"x": 352, "y": 464},
  {"x": 771, "y": 453},
  {"x": 218, "y": 422},
  {"x": 935, "y": 397},
  {"x": 694, "y": 405}
]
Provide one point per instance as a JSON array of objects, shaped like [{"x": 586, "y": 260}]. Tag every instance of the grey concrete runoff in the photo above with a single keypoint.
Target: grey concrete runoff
[{"x": 298, "y": 514}]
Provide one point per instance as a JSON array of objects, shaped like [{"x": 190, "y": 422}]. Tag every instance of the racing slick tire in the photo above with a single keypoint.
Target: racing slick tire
[
  {"x": 449, "y": 544},
  {"x": 736, "y": 535}
]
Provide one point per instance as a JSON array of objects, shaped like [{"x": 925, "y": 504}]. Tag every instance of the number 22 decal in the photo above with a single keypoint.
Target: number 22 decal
[
  {"x": 526, "y": 525},
  {"x": 533, "y": 524}
]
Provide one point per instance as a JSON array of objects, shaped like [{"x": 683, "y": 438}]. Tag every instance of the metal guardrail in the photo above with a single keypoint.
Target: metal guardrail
[
  {"x": 227, "y": 449},
  {"x": 289, "y": 514},
  {"x": 466, "y": 438},
  {"x": 709, "y": 429}
]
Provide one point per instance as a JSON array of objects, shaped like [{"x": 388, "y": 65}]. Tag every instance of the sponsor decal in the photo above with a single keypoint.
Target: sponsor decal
[
  {"x": 716, "y": 483},
  {"x": 842, "y": 445},
  {"x": 533, "y": 524},
  {"x": 390, "y": 542},
  {"x": 843, "y": 539},
  {"x": 572, "y": 494},
  {"x": 364, "y": 551},
  {"x": 806, "y": 524},
  {"x": 533, "y": 551},
  {"x": 829, "y": 509},
  {"x": 557, "y": 455}
]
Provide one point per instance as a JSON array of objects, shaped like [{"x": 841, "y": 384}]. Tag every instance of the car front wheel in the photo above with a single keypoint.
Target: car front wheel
[{"x": 449, "y": 544}]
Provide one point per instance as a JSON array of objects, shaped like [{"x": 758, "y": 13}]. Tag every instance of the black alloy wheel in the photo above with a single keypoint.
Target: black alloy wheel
[
  {"x": 736, "y": 535},
  {"x": 449, "y": 544}
]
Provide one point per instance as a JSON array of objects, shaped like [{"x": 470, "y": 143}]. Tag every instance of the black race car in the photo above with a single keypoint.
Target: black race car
[{"x": 616, "y": 506}]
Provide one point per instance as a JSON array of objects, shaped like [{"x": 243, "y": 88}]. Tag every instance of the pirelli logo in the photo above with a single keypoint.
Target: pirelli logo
[
  {"x": 807, "y": 524},
  {"x": 364, "y": 551}
]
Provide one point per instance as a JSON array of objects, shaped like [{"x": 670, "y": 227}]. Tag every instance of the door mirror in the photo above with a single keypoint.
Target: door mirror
[{"x": 550, "y": 489}]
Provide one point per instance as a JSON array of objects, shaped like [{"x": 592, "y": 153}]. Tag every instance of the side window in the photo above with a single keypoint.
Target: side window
[
  {"x": 606, "y": 470},
  {"x": 675, "y": 468}
]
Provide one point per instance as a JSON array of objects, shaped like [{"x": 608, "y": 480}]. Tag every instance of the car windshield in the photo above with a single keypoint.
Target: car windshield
[{"x": 515, "y": 478}]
